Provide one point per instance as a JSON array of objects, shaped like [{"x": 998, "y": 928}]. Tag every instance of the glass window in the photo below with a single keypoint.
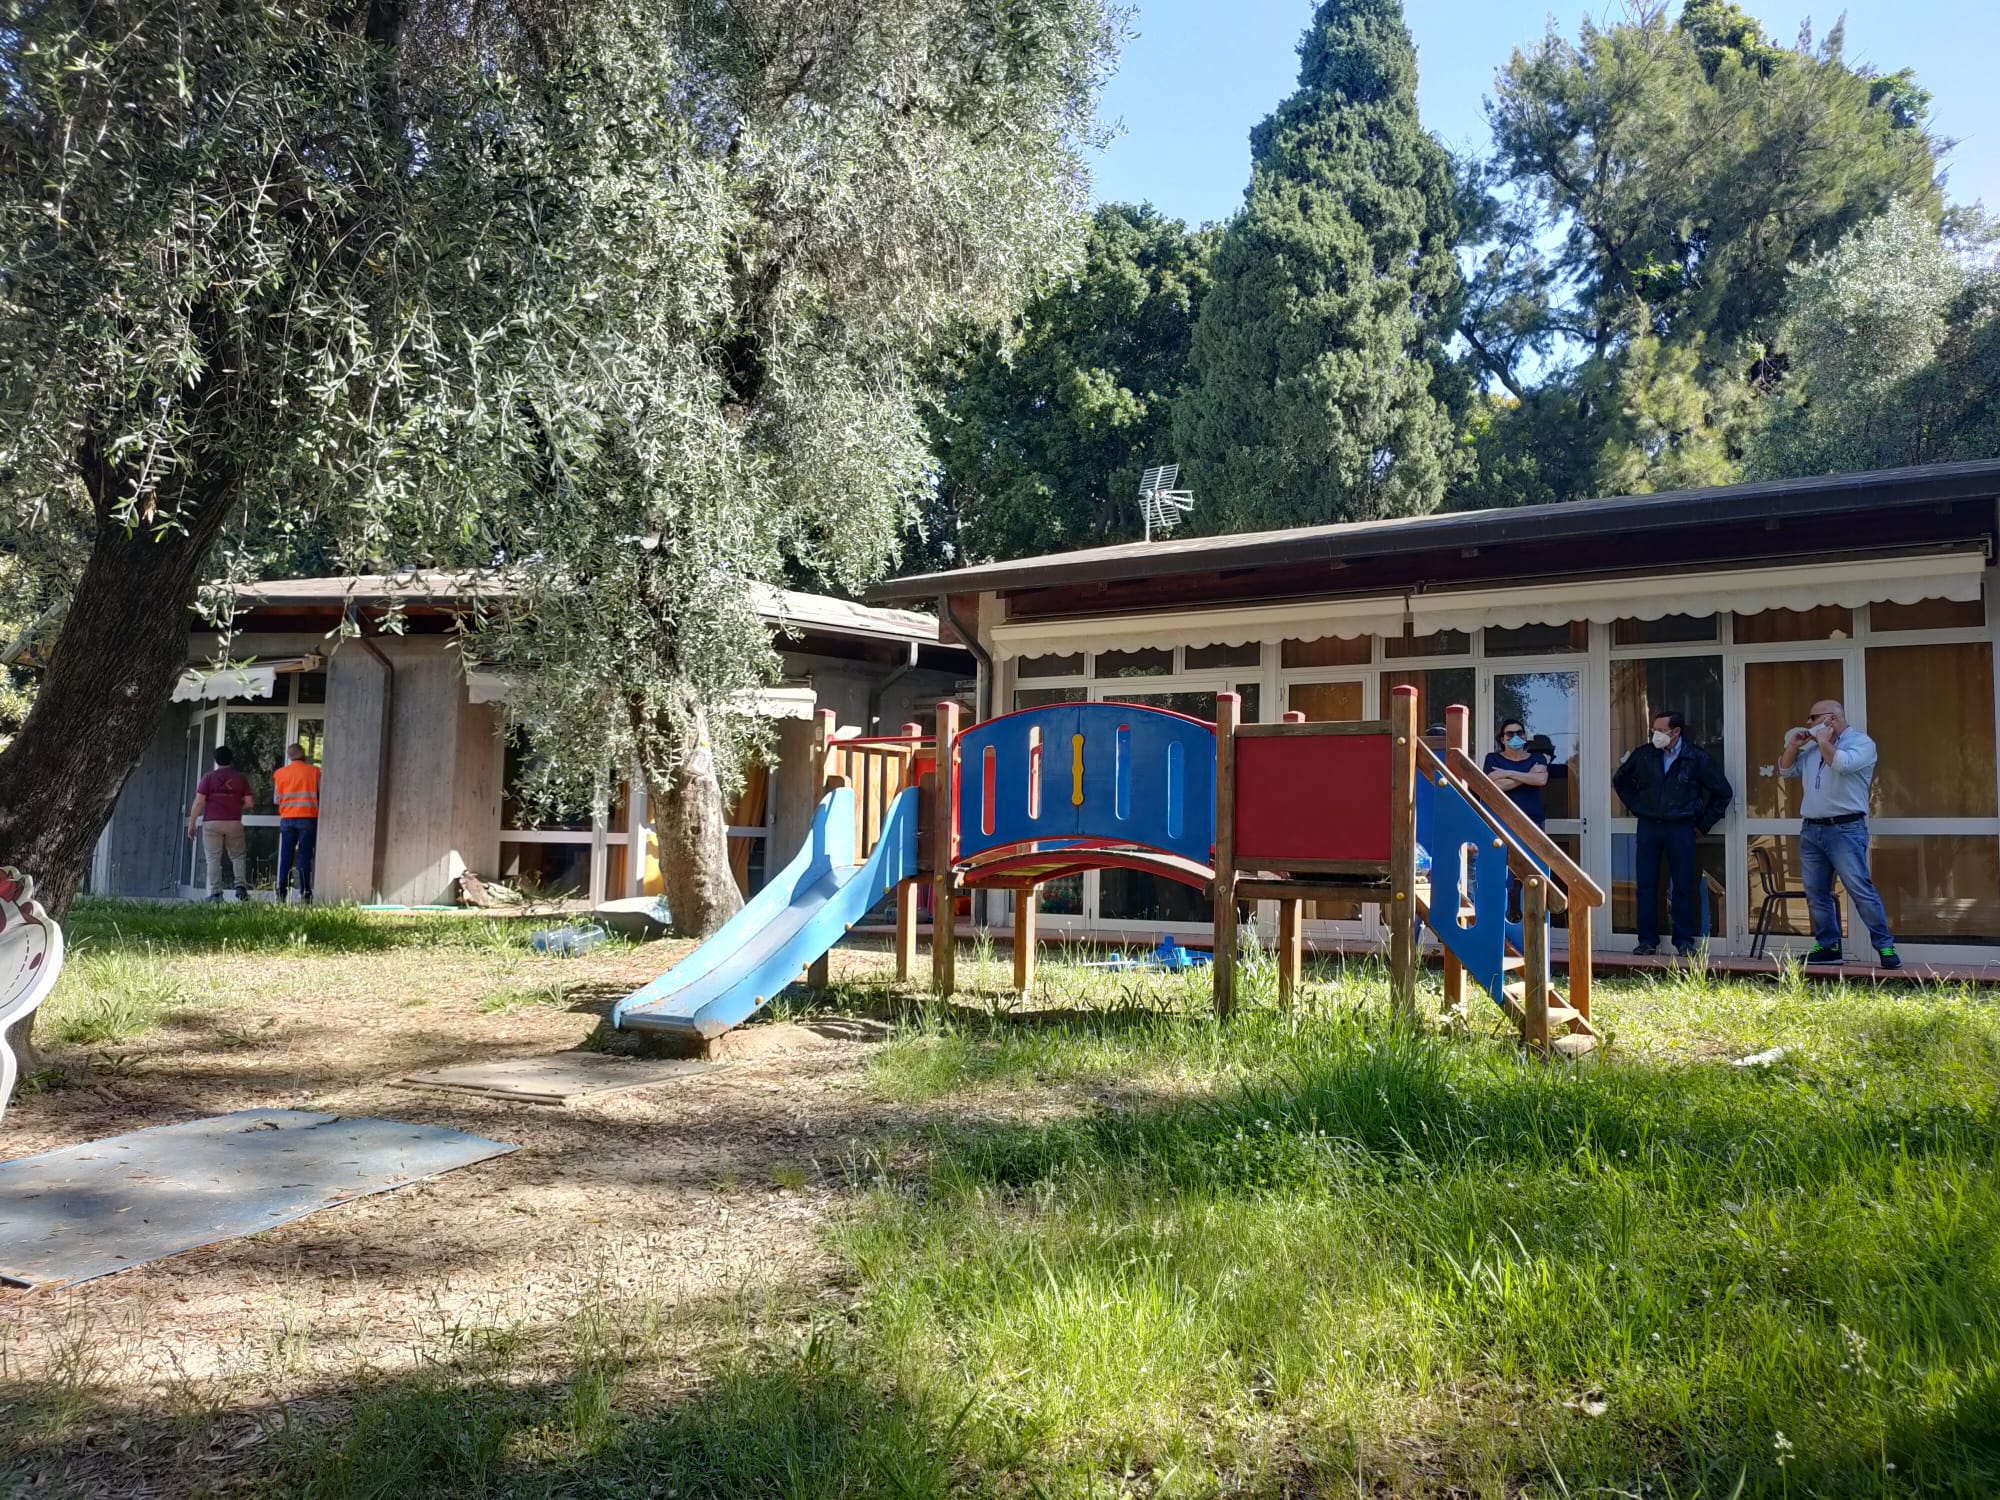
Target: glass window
[
  {"x": 1930, "y": 713},
  {"x": 1829, "y": 622},
  {"x": 1640, "y": 689},
  {"x": 1151, "y": 662},
  {"x": 1050, "y": 666},
  {"x": 1711, "y": 865},
  {"x": 1327, "y": 702},
  {"x": 1550, "y": 704},
  {"x": 312, "y": 738},
  {"x": 1538, "y": 640},
  {"x": 543, "y": 870},
  {"x": 1776, "y": 698},
  {"x": 518, "y": 807},
  {"x": 1437, "y": 643},
  {"x": 1196, "y": 705},
  {"x": 310, "y": 687},
  {"x": 1929, "y": 614},
  {"x": 1043, "y": 697},
  {"x": 1437, "y": 690},
  {"x": 1939, "y": 888},
  {"x": 1328, "y": 651},
  {"x": 1061, "y": 898},
  {"x": 1129, "y": 896},
  {"x": 258, "y": 743},
  {"x": 1199, "y": 658},
  {"x": 1665, "y": 631}
]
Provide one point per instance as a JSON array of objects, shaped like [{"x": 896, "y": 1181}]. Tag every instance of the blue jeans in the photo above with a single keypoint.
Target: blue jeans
[
  {"x": 1673, "y": 842},
  {"x": 1842, "y": 850},
  {"x": 297, "y": 839}
]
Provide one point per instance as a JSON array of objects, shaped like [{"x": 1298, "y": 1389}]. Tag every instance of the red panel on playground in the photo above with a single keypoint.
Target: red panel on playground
[{"x": 1316, "y": 797}]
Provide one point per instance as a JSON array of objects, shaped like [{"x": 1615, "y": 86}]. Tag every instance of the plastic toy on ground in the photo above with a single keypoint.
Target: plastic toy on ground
[{"x": 1169, "y": 955}]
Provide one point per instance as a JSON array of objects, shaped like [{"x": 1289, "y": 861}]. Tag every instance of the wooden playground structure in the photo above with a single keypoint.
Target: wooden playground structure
[{"x": 1289, "y": 812}]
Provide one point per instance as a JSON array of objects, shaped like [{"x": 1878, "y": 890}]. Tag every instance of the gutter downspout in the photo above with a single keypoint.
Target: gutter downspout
[
  {"x": 379, "y": 853},
  {"x": 881, "y": 689},
  {"x": 982, "y": 658}
]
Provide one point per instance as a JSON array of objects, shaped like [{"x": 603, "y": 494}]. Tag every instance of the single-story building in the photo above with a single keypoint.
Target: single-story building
[
  {"x": 417, "y": 772},
  {"x": 1738, "y": 606}
]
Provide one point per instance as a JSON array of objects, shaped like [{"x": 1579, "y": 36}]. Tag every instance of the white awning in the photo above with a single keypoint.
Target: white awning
[
  {"x": 254, "y": 679},
  {"x": 1235, "y": 626},
  {"x": 484, "y": 685},
  {"x": 788, "y": 702},
  {"x": 1896, "y": 579},
  {"x": 1876, "y": 580}
]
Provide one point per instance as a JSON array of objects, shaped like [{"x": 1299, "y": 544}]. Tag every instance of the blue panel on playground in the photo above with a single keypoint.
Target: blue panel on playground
[
  {"x": 1113, "y": 771},
  {"x": 86, "y": 1211},
  {"x": 1450, "y": 827}
]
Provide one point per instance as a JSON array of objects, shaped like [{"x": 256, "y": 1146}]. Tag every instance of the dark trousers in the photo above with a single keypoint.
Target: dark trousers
[
  {"x": 1673, "y": 842},
  {"x": 297, "y": 839}
]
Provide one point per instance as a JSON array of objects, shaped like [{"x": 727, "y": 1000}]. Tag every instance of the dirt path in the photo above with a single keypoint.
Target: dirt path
[{"x": 688, "y": 1193}]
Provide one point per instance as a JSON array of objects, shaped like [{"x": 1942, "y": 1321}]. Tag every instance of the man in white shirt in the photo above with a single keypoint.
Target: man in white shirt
[{"x": 1836, "y": 763}]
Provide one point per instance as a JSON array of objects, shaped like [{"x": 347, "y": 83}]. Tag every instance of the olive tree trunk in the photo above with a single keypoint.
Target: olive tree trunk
[
  {"x": 693, "y": 828},
  {"x": 109, "y": 682}
]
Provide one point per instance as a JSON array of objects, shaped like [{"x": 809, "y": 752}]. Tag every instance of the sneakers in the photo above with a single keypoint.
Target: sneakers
[
  {"x": 1824, "y": 956},
  {"x": 241, "y": 894},
  {"x": 1647, "y": 950},
  {"x": 1888, "y": 958}
]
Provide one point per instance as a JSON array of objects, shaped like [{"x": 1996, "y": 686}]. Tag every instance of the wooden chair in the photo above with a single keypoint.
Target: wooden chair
[
  {"x": 31, "y": 956},
  {"x": 1774, "y": 897}
]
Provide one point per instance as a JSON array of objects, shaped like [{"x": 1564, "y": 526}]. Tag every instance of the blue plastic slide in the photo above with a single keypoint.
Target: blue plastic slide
[{"x": 802, "y": 913}]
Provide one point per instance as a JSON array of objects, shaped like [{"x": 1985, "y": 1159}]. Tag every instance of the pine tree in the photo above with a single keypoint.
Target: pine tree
[{"x": 1316, "y": 351}]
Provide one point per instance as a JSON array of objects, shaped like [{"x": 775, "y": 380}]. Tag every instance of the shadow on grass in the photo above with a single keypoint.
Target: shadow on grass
[{"x": 811, "y": 1421}]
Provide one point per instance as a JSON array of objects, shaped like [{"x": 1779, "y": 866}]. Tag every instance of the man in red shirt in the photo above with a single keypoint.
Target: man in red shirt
[{"x": 221, "y": 798}]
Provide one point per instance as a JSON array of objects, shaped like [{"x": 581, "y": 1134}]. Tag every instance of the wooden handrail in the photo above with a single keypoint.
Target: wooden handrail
[{"x": 1577, "y": 885}]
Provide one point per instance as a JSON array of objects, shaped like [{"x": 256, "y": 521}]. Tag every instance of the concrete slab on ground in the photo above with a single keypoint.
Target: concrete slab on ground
[
  {"x": 566, "y": 1078},
  {"x": 86, "y": 1211}
]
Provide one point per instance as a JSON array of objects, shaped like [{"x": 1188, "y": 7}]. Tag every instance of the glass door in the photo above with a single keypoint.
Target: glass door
[
  {"x": 1777, "y": 696},
  {"x": 1548, "y": 701}
]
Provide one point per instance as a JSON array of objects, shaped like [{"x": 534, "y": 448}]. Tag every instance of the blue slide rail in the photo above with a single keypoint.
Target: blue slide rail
[
  {"x": 1448, "y": 826},
  {"x": 802, "y": 913},
  {"x": 1109, "y": 772}
]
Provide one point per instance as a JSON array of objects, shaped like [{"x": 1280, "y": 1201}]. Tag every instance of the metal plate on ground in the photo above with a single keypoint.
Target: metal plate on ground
[
  {"x": 85, "y": 1211},
  {"x": 562, "y": 1079}
]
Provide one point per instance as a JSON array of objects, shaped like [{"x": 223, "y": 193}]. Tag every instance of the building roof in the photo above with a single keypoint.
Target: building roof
[
  {"x": 786, "y": 609},
  {"x": 1543, "y": 525}
]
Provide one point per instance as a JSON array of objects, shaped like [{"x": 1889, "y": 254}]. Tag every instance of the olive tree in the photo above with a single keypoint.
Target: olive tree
[{"x": 447, "y": 283}]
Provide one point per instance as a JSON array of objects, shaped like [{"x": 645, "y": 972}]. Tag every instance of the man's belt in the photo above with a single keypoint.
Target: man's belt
[{"x": 1833, "y": 822}]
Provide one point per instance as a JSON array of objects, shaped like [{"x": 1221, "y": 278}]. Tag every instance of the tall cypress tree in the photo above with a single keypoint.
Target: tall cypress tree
[{"x": 1316, "y": 354}]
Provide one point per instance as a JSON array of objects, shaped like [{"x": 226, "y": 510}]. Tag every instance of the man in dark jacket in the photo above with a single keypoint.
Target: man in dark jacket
[{"x": 1676, "y": 791}]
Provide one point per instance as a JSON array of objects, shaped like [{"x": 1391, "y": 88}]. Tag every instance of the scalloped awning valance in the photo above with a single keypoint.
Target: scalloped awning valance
[{"x": 1896, "y": 579}]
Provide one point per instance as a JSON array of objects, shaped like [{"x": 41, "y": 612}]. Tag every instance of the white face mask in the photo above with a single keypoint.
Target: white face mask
[{"x": 1662, "y": 739}]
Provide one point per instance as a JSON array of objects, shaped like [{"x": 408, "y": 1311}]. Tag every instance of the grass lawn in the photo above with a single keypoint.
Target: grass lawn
[{"x": 1101, "y": 1246}]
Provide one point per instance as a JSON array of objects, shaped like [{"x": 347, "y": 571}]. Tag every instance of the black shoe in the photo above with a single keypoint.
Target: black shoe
[
  {"x": 215, "y": 895},
  {"x": 1686, "y": 951},
  {"x": 1647, "y": 950},
  {"x": 241, "y": 894},
  {"x": 1888, "y": 958},
  {"x": 1825, "y": 956}
]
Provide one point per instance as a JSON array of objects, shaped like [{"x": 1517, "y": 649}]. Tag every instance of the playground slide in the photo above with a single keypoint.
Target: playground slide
[{"x": 803, "y": 911}]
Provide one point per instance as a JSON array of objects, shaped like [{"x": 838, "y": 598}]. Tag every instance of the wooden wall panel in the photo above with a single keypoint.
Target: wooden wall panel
[{"x": 146, "y": 845}]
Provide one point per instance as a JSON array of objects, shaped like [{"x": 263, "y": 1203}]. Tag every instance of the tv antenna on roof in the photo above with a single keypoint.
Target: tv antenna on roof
[{"x": 1162, "y": 504}]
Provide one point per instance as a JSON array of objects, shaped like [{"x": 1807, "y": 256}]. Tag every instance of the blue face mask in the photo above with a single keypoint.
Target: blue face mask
[{"x": 1515, "y": 742}]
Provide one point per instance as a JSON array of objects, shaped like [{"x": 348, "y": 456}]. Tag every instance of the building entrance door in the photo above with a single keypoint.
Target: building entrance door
[{"x": 1777, "y": 695}]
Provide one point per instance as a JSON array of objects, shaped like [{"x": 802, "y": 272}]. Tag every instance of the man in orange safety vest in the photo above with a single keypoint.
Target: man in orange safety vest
[{"x": 297, "y": 785}]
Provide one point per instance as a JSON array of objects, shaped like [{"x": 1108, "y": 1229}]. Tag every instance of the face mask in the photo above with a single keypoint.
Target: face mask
[
  {"x": 1661, "y": 739},
  {"x": 1515, "y": 742}
]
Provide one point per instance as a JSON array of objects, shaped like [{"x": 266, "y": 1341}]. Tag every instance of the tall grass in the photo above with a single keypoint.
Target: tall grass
[{"x": 1347, "y": 1254}]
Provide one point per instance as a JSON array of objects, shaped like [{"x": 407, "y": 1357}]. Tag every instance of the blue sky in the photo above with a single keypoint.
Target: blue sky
[{"x": 1200, "y": 73}]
